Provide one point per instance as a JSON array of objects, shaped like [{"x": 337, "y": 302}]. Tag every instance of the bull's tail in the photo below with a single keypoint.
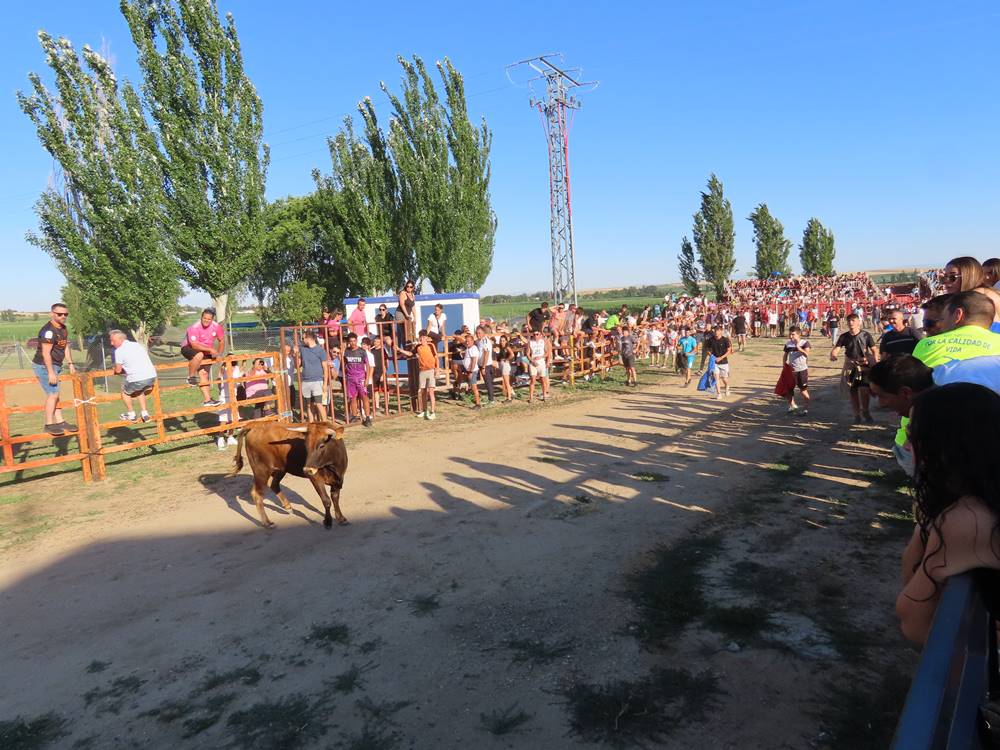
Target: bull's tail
[{"x": 238, "y": 458}]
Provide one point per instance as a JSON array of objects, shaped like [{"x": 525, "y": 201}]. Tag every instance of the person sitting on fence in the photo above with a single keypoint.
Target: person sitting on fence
[
  {"x": 383, "y": 322},
  {"x": 53, "y": 351},
  {"x": 436, "y": 323},
  {"x": 205, "y": 341},
  {"x": 955, "y": 435},
  {"x": 539, "y": 317},
  {"x": 312, "y": 360},
  {"x": 259, "y": 387},
  {"x": 132, "y": 359},
  {"x": 357, "y": 370},
  {"x": 426, "y": 353}
]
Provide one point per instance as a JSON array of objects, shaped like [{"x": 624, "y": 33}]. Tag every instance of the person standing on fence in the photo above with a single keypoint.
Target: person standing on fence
[
  {"x": 315, "y": 377},
  {"x": 405, "y": 314},
  {"x": 200, "y": 348},
  {"x": 358, "y": 320},
  {"x": 53, "y": 352},
  {"x": 357, "y": 370},
  {"x": 383, "y": 322},
  {"x": 132, "y": 360}
]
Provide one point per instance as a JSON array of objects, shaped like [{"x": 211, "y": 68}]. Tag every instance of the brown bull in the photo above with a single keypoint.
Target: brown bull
[{"x": 315, "y": 451}]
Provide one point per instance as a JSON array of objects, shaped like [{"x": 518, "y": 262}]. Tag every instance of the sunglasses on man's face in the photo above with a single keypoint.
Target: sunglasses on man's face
[{"x": 61, "y": 315}]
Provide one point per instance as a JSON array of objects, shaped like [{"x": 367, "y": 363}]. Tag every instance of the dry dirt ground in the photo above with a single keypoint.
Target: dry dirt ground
[{"x": 618, "y": 567}]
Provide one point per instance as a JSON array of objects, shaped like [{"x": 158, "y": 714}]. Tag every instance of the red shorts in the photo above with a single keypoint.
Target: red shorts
[{"x": 355, "y": 388}]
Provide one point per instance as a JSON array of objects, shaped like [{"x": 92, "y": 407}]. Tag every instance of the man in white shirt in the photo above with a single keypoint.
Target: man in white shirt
[
  {"x": 654, "y": 338},
  {"x": 132, "y": 360}
]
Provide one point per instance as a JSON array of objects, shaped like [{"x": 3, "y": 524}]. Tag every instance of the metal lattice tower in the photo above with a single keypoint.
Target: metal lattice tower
[{"x": 556, "y": 110}]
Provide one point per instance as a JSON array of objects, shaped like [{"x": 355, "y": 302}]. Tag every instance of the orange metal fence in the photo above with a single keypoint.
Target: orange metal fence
[{"x": 91, "y": 431}]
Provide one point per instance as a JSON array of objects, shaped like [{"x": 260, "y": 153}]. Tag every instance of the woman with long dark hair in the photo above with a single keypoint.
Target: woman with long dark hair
[{"x": 955, "y": 435}]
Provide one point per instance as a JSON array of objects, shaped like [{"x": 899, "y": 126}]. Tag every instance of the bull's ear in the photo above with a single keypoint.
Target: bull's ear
[
  {"x": 297, "y": 429},
  {"x": 340, "y": 433}
]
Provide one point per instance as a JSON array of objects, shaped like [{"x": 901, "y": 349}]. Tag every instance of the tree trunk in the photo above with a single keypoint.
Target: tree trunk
[
  {"x": 221, "y": 302},
  {"x": 141, "y": 334}
]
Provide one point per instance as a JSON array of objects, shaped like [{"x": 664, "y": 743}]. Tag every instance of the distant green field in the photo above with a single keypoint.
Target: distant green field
[
  {"x": 518, "y": 310},
  {"x": 20, "y": 330}
]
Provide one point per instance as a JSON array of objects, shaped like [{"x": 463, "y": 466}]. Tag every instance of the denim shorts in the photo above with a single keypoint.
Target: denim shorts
[{"x": 42, "y": 373}]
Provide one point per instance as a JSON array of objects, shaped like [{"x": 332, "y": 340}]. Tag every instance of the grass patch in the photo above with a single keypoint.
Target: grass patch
[
  {"x": 424, "y": 604},
  {"x": 862, "y": 716},
  {"x": 539, "y": 652},
  {"x": 97, "y": 666},
  {"x": 113, "y": 697},
  {"x": 349, "y": 681},
  {"x": 247, "y": 675},
  {"x": 499, "y": 722},
  {"x": 739, "y": 623},
  {"x": 668, "y": 593},
  {"x": 752, "y": 578},
  {"x": 29, "y": 734},
  {"x": 287, "y": 723},
  {"x": 327, "y": 636},
  {"x": 650, "y": 476},
  {"x": 623, "y": 713}
]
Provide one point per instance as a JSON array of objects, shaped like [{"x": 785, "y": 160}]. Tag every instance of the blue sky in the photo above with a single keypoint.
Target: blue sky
[{"x": 881, "y": 119}]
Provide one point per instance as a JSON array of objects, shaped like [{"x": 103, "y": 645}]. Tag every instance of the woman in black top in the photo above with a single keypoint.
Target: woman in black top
[
  {"x": 405, "y": 314},
  {"x": 383, "y": 321}
]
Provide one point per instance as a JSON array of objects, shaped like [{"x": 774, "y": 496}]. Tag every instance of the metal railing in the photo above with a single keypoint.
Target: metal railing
[{"x": 957, "y": 668}]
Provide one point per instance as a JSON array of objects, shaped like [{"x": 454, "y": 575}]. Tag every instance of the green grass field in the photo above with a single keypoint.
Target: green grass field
[{"x": 511, "y": 311}]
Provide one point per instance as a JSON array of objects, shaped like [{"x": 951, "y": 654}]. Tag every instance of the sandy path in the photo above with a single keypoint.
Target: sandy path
[{"x": 466, "y": 535}]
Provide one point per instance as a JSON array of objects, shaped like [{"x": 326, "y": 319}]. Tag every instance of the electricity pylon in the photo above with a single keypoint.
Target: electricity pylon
[{"x": 556, "y": 111}]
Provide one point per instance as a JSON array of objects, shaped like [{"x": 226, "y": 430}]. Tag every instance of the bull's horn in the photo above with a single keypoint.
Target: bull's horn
[{"x": 297, "y": 429}]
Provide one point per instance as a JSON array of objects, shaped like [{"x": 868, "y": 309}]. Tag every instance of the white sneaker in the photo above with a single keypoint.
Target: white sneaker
[
  {"x": 221, "y": 442},
  {"x": 431, "y": 415},
  {"x": 231, "y": 440}
]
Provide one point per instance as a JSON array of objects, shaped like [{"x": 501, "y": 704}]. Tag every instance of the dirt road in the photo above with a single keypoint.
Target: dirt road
[{"x": 644, "y": 565}]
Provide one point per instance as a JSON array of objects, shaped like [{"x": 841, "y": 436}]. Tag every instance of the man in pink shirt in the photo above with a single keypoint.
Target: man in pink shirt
[
  {"x": 358, "y": 321},
  {"x": 199, "y": 346}
]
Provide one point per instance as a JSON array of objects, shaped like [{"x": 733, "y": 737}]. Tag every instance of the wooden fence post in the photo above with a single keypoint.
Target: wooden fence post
[
  {"x": 82, "y": 428},
  {"x": 92, "y": 424}
]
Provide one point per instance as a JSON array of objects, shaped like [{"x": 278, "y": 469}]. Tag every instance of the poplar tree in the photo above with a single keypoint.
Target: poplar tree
[
  {"x": 714, "y": 236},
  {"x": 817, "y": 250},
  {"x": 207, "y": 115},
  {"x": 105, "y": 228},
  {"x": 688, "y": 266},
  {"x": 443, "y": 168},
  {"x": 357, "y": 211},
  {"x": 772, "y": 245}
]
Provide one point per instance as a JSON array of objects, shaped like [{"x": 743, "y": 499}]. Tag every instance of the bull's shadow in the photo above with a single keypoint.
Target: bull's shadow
[{"x": 236, "y": 492}]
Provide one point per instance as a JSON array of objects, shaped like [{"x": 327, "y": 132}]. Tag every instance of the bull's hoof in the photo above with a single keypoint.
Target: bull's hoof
[
  {"x": 343, "y": 522},
  {"x": 269, "y": 525},
  {"x": 328, "y": 522},
  {"x": 287, "y": 507}
]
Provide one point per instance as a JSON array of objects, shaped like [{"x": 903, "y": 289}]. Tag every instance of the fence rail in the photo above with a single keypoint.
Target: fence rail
[
  {"x": 91, "y": 430},
  {"x": 957, "y": 667}
]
